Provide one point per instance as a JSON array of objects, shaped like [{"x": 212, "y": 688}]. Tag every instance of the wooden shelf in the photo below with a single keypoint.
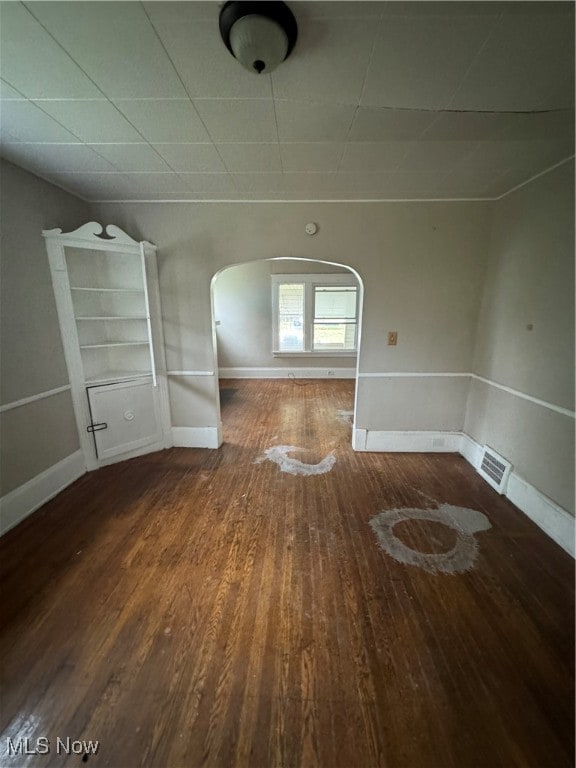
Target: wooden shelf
[
  {"x": 107, "y": 290},
  {"x": 109, "y": 377},
  {"x": 115, "y": 344},
  {"x": 112, "y": 317}
]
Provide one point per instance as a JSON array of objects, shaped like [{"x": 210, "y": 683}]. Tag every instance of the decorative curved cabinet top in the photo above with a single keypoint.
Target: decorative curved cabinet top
[{"x": 94, "y": 235}]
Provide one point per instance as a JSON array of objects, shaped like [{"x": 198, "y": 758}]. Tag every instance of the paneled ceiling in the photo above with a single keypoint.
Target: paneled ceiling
[{"x": 379, "y": 100}]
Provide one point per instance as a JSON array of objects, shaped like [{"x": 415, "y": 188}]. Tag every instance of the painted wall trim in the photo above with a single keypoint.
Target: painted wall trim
[
  {"x": 551, "y": 518},
  {"x": 197, "y": 437},
  {"x": 406, "y": 441},
  {"x": 22, "y": 501},
  {"x": 432, "y": 374},
  {"x": 524, "y": 396},
  {"x": 34, "y": 398},
  {"x": 283, "y": 373},
  {"x": 412, "y": 374},
  {"x": 190, "y": 373}
]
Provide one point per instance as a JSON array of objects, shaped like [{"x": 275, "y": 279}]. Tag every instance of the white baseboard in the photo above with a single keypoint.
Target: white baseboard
[
  {"x": 406, "y": 441},
  {"x": 284, "y": 373},
  {"x": 551, "y": 518},
  {"x": 197, "y": 437},
  {"x": 22, "y": 501},
  {"x": 555, "y": 521},
  {"x": 471, "y": 450}
]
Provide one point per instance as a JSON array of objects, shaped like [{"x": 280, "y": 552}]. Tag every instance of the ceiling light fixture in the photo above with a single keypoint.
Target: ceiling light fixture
[{"x": 260, "y": 35}]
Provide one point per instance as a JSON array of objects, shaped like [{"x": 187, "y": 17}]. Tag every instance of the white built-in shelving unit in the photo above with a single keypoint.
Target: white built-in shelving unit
[{"x": 106, "y": 289}]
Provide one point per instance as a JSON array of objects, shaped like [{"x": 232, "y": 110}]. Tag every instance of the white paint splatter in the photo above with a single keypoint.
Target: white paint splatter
[
  {"x": 345, "y": 417},
  {"x": 279, "y": 455},
  {"x": 459, "y": 559}
]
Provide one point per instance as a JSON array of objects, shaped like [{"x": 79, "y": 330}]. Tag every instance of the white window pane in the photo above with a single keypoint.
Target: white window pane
[
  {"x": 338, "y": 302},
  {"x": 291, "y": 317},
  {"x": 335, "y": 336}
]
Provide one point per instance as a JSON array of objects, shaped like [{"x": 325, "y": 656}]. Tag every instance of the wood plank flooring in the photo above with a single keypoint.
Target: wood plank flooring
[{"x": 195, "y": 608}]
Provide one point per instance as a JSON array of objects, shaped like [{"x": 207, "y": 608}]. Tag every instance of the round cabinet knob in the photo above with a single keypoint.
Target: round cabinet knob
[
  {"x": 311, "y": 228},
  {"x": 128, "y": 415}
]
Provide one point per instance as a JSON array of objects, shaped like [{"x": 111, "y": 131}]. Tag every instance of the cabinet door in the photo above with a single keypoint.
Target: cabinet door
[{"x": 130, "y": 411}]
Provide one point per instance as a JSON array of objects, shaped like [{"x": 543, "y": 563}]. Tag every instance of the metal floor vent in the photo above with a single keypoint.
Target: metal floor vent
[{"x": 495, "y": 469}]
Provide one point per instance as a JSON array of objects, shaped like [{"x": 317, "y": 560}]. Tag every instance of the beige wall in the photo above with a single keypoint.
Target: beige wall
[
  {"x": 459, "y": 282},
  {"x": 422, "y": 265},
  {"x": 35, "y": 436},
  {"x": 243, "y": 308},
  {"x": 530, "y": 281}
]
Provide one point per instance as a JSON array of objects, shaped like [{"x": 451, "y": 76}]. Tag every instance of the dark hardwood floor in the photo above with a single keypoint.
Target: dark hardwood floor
[{"x": 195, "y": 608}]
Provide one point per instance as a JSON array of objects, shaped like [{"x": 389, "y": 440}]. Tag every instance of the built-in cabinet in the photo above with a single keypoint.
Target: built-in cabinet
[{"x": 106, "y": 289}]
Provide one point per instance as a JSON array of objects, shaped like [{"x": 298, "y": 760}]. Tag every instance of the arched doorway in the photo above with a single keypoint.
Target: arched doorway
[{"x": 275, "y": 365}]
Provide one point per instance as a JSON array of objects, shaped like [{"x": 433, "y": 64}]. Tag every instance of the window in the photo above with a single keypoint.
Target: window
[{"x": 315, "y": 314}]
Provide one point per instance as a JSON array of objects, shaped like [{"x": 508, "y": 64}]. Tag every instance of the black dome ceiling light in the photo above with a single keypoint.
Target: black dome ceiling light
[{"x": 259, "y": 34}]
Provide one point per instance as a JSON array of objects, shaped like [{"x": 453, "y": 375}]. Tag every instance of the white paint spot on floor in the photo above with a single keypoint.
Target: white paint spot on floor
[
  {"x": 345, "y": 417},
  {"x": 279, "y": 455},
  {"x": 462, "y": 556}
]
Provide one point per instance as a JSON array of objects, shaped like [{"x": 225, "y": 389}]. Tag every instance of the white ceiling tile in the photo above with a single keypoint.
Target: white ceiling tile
[
  {"x": 441, "y": 156},
  {"x": 34, "y": 63},
  {"x": 155, "y": 182},
  {"x": 466, "y": 185},
  {"x": 192, "y": 158},
  {"x": 306, "y": 121},
  {"x": 423, "y": 51},
  {"x": 24, "y": 121},
  {"x": 539, "y": 7},
  {"x": 259, "y": 182},
  {"x": 132, "y": 157},
  {"x": 418, "y": 62},
  {"x": 94, "y": 122},
  {"x": 521, "y": 60},
  {"x": 422, "y": 8},
  {"x": 311, "y": 156},
  {"x": 503, "y": 183},
  {"x": 467, "y": 126},
  {"x": 238, "y": 119},
  {"x": 507, "y": 155},
  {"x": 93, "y": 186},
  {"x": 489, "y": 156},
  {"x": 115, "y": 44},
  {"x": 373, "y": 124},
  {"x": 250, "y": 157},
  {"x": 57, "y": 158},
  {"x": 182, "y": 13},
  {"x": 209, "y": 183},
  {"x": 328, "y": 62},
  {"x": 206, "y": 66},
  {"x": 321, "y": 9},
  {"x": 554, "y": 126},
  {"x": 7, "y": 92},
  {"x": 388, "y": 185},
  {"x": 187, "y": 195},
  {"x": 560, "y": 93},
  {"x": 311, "y": 184},
  {"x": 374, "y": 156},
  {"x": 164, "y": 120}
]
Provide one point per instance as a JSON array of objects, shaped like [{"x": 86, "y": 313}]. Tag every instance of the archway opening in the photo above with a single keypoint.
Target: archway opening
[{"x": 259, "y": 333}]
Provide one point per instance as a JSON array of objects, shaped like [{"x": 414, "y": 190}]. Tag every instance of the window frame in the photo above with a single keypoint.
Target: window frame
[{"x": 310, "y": 282}]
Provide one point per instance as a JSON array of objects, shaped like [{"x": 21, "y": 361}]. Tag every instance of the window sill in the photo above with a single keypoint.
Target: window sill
[{"x": 324, "y": 353}]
